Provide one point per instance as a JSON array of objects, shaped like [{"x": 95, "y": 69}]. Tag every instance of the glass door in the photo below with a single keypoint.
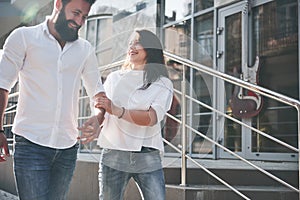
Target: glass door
[
  {"x": 261, "y": 47},
  {"x": 230, "y": 51}
]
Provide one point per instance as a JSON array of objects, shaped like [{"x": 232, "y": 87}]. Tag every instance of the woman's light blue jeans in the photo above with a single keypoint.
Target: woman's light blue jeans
[
  {"x": 43, "y": 173},
  {"x": 113, "y": 182}
]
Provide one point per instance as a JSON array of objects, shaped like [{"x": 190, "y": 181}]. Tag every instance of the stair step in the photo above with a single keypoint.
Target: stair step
[
  {"x": 233, "y": 177},
  {"x": 224, "y": 188},
  {"x": 218, "y": 192}
]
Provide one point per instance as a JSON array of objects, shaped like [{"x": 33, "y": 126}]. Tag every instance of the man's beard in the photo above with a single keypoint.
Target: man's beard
[{"x": 65, "y": 32}]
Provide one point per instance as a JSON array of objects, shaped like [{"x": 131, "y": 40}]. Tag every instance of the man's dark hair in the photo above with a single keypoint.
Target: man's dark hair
[{"x": 91, "y": 2}]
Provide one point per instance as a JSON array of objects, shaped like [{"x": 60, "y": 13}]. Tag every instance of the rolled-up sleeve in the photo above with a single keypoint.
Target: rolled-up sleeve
[
  {"x": 162, "y": 103},
  {"x": 12, "y": 59}
]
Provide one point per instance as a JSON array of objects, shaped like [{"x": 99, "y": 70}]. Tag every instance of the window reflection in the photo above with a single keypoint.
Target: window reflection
[
  {"x": 171, "y": 130},
  {"x": 233, "y": 47},
  {"x": 177, "y": 9},
  {"x": 203, "y": 4},
  {"x": 104, "y": 41},
  {"x": 178, "y": 39},
  {"x": 204, "y": 39},
  {"x": 99, "y": 32},
  {"x": 202, "y": 83},
  {"x": 202, "y": 87},
  {"x": 91, "y": 33},
  {"x": 275, "y": 39},
  {"x": 233, "y": 62}
]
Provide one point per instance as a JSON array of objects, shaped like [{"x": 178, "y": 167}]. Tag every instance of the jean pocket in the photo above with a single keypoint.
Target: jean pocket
[{"x": 105, "y": 151}]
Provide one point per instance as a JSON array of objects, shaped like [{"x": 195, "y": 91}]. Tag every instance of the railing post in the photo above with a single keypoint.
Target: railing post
[
  {"x": 298, "y": 112},
  {"x": 183, "y": 134}
]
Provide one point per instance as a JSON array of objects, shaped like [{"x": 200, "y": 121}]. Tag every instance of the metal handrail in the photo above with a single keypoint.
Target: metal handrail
[
  {"x": 255, "y": 88},
  {"x": 235, "y": 81},
  {"x": 206, "y": 170}
]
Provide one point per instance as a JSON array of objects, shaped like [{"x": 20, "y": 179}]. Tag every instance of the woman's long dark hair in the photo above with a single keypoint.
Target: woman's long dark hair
[{"x": 155, "y": 63}]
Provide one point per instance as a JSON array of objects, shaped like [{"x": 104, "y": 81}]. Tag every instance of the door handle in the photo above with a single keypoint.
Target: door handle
[{"x": 219, "y": 54}]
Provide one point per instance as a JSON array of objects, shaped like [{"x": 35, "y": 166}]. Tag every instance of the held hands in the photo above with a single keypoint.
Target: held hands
[
  {"x": 105, "y": 103},
  {"x": 4, "y": 146},
  {"x": 91, "y": 128}
]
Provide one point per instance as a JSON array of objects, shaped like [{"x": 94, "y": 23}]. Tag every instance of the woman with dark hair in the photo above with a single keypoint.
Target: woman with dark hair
[{"x": 138, "y": 97}]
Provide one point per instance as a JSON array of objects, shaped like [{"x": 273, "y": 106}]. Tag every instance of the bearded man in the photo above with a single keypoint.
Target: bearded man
[{"x": 48, "y": 61}]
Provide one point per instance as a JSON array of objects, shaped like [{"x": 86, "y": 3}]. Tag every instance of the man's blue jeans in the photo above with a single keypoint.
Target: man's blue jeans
[
  {"x": 43, "y": 173},
  {"x": 113, "y": 182}
]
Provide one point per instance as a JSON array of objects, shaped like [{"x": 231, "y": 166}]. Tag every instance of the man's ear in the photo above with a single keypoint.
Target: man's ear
[{"x": 58, "y": 5}]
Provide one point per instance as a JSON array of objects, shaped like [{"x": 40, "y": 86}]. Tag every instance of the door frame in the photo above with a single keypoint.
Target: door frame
[{"x": 246, "y": 133}]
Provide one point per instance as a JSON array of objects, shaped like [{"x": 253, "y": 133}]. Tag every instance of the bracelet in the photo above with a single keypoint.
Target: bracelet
[
  {"x": 2, "y": 131},
  {"x": 123, "y": 111}
]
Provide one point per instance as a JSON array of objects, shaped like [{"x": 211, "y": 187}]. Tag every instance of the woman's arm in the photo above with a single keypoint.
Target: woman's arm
[{"x": 139, "y": 117}]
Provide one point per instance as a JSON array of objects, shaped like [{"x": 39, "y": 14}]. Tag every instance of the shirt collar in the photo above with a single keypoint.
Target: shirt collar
[{"x": 45, "y": 25}]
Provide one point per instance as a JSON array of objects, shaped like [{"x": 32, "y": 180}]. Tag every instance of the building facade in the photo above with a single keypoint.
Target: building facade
[{"x": 256, "y": 41}]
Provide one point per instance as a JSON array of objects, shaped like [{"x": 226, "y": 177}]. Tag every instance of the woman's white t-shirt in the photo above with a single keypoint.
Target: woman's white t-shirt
[{"x": 123, "y": 87}]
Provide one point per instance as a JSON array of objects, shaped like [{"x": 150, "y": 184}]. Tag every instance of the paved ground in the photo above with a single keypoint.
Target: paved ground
[{"x": 7, "y": 196}]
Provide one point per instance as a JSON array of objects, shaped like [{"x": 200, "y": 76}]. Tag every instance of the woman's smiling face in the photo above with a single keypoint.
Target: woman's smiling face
[{"x": 136, "y": 52}]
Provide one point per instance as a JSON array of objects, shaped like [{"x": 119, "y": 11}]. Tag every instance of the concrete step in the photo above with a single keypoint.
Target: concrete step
[
  {"x": 234, "y": 172},
  {"x": 7, "y": 196},
  {"x": 232, "y": 176},
  {"x": 247, "y": 180},
  {"x": 217, "y": 192}
]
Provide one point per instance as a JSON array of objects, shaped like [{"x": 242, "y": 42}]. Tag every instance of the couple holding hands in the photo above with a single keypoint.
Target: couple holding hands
[{"x": 49, "y": 60}]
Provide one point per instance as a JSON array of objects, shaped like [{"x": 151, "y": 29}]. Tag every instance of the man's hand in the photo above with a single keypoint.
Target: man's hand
[
  {"x": 4, "y": 146},
  {"x": 90, "y": 130}
]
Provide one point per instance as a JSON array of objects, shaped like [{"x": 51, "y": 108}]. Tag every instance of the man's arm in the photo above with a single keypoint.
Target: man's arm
[
  {"x": 91, "y": 127},
  {"x": 101, "y": 111},
  {"x": 3, "y": 140}
]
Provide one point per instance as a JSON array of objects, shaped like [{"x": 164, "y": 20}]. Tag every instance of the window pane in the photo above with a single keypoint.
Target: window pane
[
  {"x": 177, "y": 9},
  {"x": 202, "y": 83},
  {"x": 91, "y": 32},
  {"x": 104, "y": 41},
  {"x": 203, "y": 4},
  {"x": 178, "y": 39},
  {"x": 204, "y": 40},
  {"x": 275, "y": 39},
  {"x": 171, "y": 129}
]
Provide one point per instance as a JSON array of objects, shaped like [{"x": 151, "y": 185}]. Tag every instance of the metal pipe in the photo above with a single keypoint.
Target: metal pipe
[
  {"x": 183, "y": 134},
  {"x": 236, "y": 81},
  {"x": 298, "y": 109},
  {"x": 207, "y": 171}
]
